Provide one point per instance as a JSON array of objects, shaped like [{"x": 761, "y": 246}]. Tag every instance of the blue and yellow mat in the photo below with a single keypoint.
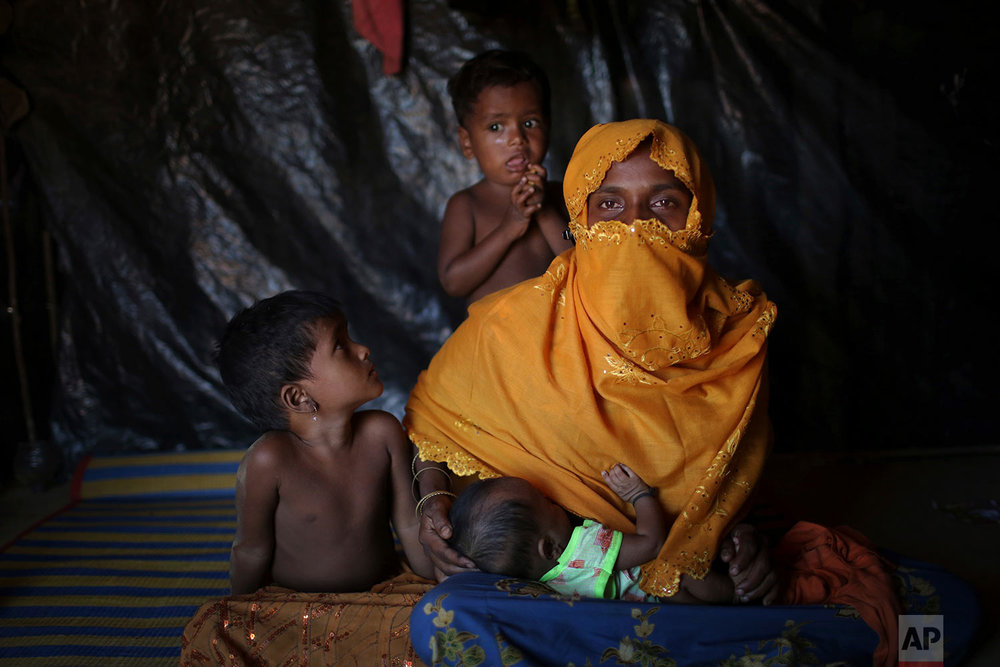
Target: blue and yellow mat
[{"x": 113, "y": 578}]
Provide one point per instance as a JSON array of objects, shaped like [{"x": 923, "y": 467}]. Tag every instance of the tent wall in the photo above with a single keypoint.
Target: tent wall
[{"x": 192, "y": 157}]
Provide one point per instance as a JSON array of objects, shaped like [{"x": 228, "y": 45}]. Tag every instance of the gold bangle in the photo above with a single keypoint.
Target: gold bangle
[
  {"x": 430, "y": 495},
  {"x": 415, "y": 484},
  {"x": 440, "y": 470}
]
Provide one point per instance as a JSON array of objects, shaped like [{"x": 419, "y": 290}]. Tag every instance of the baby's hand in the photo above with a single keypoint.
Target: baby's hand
[{"x": 624, "y": 482}]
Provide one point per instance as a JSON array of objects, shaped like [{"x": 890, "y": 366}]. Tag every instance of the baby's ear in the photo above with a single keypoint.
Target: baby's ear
[
  {"x": 295, "y": 399},
  {"x": 465, "y": 142},
  {"x": 549, "y": 549}
]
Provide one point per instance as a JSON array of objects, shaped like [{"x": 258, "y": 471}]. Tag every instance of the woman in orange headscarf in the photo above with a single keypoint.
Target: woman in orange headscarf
[{"x": 630, "y": 348}]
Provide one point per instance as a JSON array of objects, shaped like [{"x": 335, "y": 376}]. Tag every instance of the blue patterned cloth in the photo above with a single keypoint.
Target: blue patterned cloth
[{"x": 484, "y": 619}]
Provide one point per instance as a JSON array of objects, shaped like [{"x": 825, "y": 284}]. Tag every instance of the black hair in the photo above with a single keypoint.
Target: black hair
[
  {"x": 496, "y": 67},
  {"x": 266, "y": 346},
  {"x": 499, "y": 537}
]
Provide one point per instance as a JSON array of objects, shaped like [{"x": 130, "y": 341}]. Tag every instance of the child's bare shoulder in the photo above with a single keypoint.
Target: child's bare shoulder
[
  {"x": 269, "y": 450},
  {"x": 463, "y": 196},
  {"x": 378, "y": 427}
]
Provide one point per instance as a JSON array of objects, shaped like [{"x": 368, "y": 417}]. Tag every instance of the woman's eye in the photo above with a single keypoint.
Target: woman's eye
[{"x": 607, "y": 204}]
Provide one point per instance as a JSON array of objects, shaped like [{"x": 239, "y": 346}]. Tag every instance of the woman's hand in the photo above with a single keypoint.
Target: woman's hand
[
  {"x": 744, "y": 550},
  {"x": 435, "y": 529}
]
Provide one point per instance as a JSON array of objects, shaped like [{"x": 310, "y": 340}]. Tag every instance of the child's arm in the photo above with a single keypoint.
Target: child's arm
[
  {"x": 404, "y": 518},
  {"x": 463, "y": 264},
  {"x": 715, "y": 588},
  {"x": 650, "y": 519},
  {"x": 256, "y": 502},
  {"x": 552, "y": 219}
]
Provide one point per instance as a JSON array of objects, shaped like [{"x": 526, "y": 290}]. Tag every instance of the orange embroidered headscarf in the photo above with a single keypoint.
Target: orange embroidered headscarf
[{"x": 628, "y": 349}]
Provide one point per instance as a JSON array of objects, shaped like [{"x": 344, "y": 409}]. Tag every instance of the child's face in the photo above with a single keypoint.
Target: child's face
[
  {"x": 639, "y": 189},
  {"x": 506, "y": 132},
  {"x": 342, "y": 374}
]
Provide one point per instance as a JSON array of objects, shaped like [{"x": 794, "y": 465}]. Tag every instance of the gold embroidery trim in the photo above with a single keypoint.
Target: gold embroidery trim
[
  {"x": 691, "y": 344},
  {"x": 624, "y": 371},
  {"x": 646, "y": 232},
  {"x": 459, "y": 462},
  {"x": 549, "y": 282},
  {"x": 765, "y": 322}
]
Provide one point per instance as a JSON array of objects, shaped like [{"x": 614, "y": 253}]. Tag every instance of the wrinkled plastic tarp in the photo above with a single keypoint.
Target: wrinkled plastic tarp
[{"x": 197, "y": 156}]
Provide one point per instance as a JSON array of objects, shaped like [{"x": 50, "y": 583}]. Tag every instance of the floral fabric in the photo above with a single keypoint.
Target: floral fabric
[{"x": 477, "y": 619}]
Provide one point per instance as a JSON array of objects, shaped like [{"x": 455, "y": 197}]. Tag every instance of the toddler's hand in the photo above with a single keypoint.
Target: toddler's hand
[
  {"x": 529, "y": 194},
  {"x": 624, "y": 482}
]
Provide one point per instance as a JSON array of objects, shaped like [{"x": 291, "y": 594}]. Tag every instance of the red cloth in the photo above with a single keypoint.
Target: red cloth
[
  {"x": 381, "y": 23},
  {"x": 840, "y": 566}
]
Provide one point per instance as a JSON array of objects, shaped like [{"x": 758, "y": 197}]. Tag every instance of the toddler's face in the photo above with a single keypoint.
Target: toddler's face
[
  {"x": 639, "y": 189},
  {"x": 506, "y": 133},
  {"x": 341, "y": 370}
]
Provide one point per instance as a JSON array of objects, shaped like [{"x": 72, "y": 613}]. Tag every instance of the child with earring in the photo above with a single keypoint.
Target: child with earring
[{"x": 315, "y": 494}]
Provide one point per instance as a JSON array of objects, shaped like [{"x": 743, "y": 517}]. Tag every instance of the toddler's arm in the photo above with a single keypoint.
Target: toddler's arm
[
  {"x": 650, "y": 519},
  {"x": 463, "y": 264},
  {"x": 256, "y": 502},
  {"x": 404, "y": 518}
]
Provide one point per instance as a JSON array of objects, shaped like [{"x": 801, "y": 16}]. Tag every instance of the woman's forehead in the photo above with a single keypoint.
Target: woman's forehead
[{"x": 638, "y": 169}]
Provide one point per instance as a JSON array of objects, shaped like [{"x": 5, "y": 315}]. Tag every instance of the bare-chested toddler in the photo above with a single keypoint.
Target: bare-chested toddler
[
  {"x": 316, "y": 492},
  {"x": 509, "y": 226}
]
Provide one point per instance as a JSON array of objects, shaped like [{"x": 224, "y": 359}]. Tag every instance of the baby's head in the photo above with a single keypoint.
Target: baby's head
[
  {"x": 491, "y": 69},
  {"x": 267, "y": 346},
  {"x": 507, "y": 526}
]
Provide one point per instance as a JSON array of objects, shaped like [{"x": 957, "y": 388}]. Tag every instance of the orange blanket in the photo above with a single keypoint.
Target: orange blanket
[
  {"x": 277, "y": 626},
  {"x": 629, "y": 349},
  {"x": 840, "y": 566}
]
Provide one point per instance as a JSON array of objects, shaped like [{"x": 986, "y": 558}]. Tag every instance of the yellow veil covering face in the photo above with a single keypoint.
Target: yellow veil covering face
[{"x": 629, "y": 349}]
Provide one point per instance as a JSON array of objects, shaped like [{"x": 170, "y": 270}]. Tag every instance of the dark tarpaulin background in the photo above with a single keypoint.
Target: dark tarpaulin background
[{"x": 192, "y": 157}]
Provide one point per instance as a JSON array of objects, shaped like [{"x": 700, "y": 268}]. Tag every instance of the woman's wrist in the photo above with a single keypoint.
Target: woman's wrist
[
  {"x": 429, "y": 478},
  {"x": 428, "y": 498}
]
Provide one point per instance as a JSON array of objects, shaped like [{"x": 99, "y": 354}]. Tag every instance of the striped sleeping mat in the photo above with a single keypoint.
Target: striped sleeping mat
[{"x": 113, "y": 578}]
